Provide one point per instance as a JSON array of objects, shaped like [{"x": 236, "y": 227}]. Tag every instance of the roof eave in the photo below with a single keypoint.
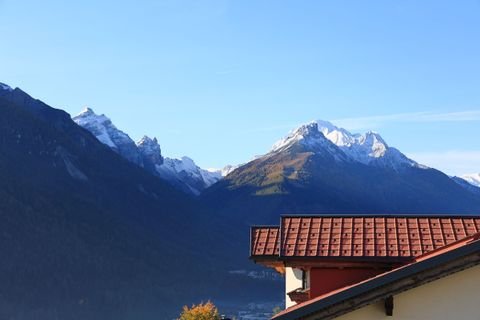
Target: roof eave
[{"x": 390, "y": 283}]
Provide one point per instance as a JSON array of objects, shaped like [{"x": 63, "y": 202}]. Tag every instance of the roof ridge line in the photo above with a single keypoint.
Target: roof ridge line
[{"x": 379, "y": 215}]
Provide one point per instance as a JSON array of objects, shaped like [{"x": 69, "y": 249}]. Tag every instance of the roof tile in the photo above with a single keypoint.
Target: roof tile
[{"x": 397, "y": 237}]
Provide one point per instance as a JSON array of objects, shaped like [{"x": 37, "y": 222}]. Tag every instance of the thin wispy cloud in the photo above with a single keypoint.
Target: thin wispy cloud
[
  {"x": 375, "y": 122},
  {"x": 372, "y": 122}
]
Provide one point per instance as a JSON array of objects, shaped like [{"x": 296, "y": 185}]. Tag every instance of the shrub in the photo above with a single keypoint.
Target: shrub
[{"x": 202, "y": 311}]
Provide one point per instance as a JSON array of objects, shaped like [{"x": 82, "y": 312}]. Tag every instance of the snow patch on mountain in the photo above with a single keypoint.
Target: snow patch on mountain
[
  {"x": 324, "y": 137},
  {"x": 368, "y": 148},
  {"x": 150, "y": 151},
  {"x": 307, "y": 135},
  {"x": 149, "y": 146},
  {"x": 311, "y": 139},
  {"x": 225, "y": 171},
  {"x": 182, "y": 173},
  {"x": 106, "y": 132},
  {"x": 5, "y": 87},
  {"x": 96, "y": 124},
  {"x": 185, "y": 173},
  {"x": 338, "y": 136},
  {"x": 473, "y": 179}
]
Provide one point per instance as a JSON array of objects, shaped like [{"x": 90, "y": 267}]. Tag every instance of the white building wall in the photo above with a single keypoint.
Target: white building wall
[
  {"x": 455, "y": 297},
  {"x": 293, "y": 280}
]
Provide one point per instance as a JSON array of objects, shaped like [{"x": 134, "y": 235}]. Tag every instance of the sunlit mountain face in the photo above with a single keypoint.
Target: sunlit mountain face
[{"x": 321, "y": 168}]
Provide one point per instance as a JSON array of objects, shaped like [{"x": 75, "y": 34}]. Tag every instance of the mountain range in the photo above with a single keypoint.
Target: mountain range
[
  {"x": 368, "y": 148},
  {"x": 320, "y": 168},
  {"x": 97, "y": 226}
]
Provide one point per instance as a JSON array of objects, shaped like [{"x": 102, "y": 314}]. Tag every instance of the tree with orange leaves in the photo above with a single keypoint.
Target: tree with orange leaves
[{"x": 202, "y": 311}]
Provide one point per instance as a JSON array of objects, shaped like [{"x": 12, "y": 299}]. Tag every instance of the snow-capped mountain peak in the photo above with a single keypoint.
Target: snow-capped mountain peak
[
  {"x": 309, "y": 138},
  {"x": 473, "y": 179},
  {"x": 150, "y": 151},
  {"x": 182, "y": 173},
  {"x": 149, "y": 145},
  {"x": 87, "y": 111},
  {"x": 367, "y": 148},
  {"x": 338, "y": 136},
  {"x": 185, "y": 174},
  {"x": 307, "y": 135},
  {"x": 323, "y": 136},
  {"x": 99, "y": 125},
  {"x": 88, "y": 115},
  {"x": 374, "y": 143},
  {"x": 225, "y": 171},
  {"x": 102, "y": 127}
]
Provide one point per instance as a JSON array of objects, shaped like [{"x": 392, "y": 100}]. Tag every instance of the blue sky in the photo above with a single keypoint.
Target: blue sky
[{"x": 221, "y": 80}]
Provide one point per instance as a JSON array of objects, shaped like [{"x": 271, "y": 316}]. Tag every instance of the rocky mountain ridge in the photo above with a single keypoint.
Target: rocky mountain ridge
[{"x": 182, "y": 173}]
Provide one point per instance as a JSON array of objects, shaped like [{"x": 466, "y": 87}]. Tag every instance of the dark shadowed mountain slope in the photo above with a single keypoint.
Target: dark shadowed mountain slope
[
  {"x": 86, "y": 234},
  {"x": 307, "y": 173}
]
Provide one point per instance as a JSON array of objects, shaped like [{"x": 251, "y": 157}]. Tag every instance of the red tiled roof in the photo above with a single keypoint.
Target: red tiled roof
[
  {"x": 265, "y": 241},
  {"x": 469, "y": 240},
  {"x": 389, "y": 237}
]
